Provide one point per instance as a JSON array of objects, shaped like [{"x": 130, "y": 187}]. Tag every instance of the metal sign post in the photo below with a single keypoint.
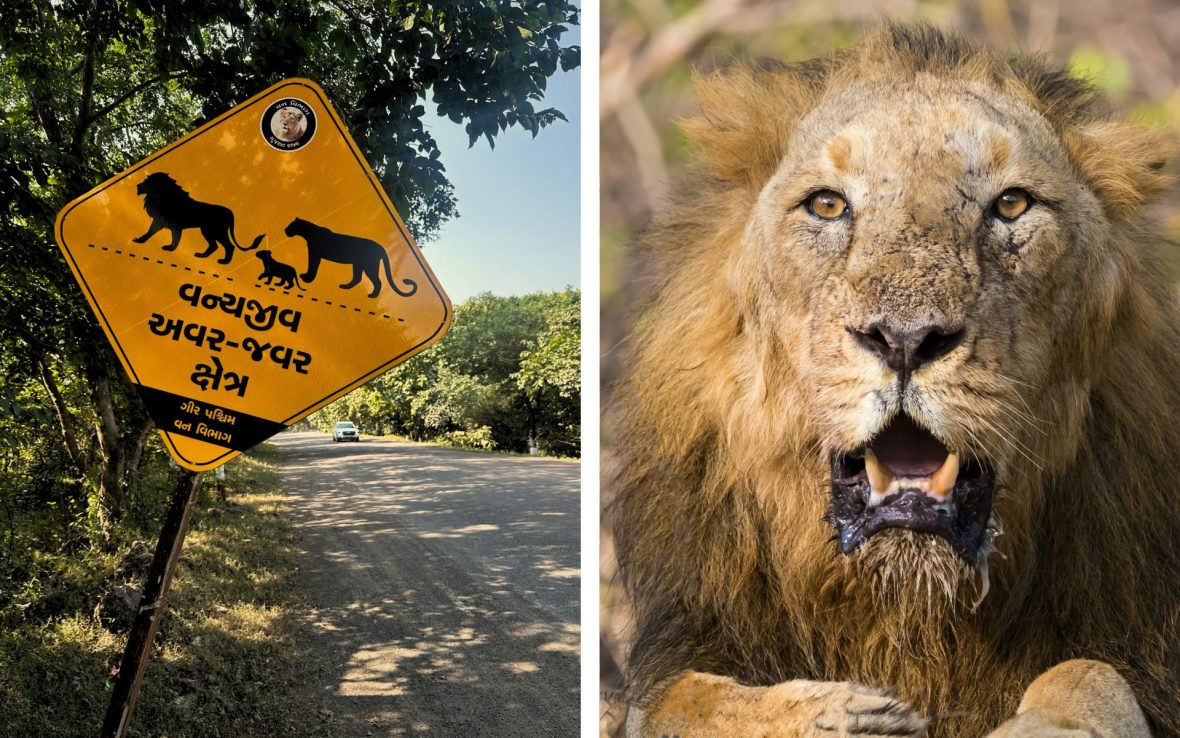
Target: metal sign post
[{"x": 151, "y": 605}]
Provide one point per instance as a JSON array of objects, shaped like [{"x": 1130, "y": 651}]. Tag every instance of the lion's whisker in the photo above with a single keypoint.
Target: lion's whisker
[
  {"x": 1025, "y": 415},
  {"x": 1013, "y": 443}
]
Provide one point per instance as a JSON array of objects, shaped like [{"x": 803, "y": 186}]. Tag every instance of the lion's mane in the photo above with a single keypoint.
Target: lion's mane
[
  {"x": 719, "y": 495},
  {"x": 164, "y": 197}
]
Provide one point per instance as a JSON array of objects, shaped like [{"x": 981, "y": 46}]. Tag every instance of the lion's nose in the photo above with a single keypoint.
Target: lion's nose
[{"x": 906, "y": 351}]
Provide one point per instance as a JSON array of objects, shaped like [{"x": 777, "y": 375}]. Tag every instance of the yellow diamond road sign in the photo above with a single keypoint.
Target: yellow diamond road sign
[{"x": 250, "y": 273}]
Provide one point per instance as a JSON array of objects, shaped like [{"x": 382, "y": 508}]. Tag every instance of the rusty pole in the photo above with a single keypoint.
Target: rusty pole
[{"x": 151, "y": 606}]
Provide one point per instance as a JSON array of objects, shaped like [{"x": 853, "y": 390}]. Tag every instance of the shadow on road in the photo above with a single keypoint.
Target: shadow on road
[{"x": 442, "y": 585}]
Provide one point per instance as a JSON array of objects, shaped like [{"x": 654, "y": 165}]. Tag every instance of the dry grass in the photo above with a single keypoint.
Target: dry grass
[{"x": 224, "y": 661}]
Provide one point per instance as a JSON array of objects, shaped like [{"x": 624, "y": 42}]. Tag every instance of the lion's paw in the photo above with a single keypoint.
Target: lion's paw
[
  {"x": 1077, "y": 698},
  {"x": 851, "y": 709},
  {"x": 708, "y": 705},
  {"x": 1041, "y": 724}
]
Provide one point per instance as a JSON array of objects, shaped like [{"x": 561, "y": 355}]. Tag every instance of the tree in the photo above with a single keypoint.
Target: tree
[
  {"x": 550, "y": 375},
  {"x": 508, "y": 371},
  {"x": 88, "y": 87}
]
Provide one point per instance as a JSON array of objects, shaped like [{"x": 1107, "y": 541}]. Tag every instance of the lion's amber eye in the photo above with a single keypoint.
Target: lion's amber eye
[
  {"x": 827, "y": 205},
  {"x": 1012, "y": 203}
]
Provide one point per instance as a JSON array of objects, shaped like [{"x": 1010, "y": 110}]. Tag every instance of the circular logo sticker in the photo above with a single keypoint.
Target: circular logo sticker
[{"x": 288, "y": 124}]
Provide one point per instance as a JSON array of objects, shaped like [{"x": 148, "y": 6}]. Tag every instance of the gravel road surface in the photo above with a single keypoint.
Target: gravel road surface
[{"x": 442, "y": 588}]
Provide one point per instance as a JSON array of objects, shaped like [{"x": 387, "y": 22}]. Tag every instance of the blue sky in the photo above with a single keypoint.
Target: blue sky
[{"x": 518, "y": 228}]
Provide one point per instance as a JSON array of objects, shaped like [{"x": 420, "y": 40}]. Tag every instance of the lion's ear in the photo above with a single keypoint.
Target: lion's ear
[
  {"x": 746, "y": 118},
  {"x": 1122, "y": 162}
]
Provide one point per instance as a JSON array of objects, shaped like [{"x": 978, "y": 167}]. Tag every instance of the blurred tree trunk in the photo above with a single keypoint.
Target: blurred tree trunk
[
  {"x": 66, "y": 421},
  {"x": 135, "y": 447},
  {"x": 112, "y": 453}
]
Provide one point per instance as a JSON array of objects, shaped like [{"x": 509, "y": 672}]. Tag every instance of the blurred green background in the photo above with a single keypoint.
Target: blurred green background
[{"x": 1130, "y": 50}]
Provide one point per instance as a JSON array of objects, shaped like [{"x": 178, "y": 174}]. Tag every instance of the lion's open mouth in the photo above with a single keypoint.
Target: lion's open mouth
[{"x": 906, "y": 478}]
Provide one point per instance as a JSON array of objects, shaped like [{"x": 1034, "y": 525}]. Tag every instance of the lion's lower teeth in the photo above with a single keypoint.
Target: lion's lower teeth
[{"x": 938, "y": 486}]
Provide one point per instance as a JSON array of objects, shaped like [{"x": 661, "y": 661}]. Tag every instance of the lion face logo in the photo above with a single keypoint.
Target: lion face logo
[{"x": 288, "y": 124}]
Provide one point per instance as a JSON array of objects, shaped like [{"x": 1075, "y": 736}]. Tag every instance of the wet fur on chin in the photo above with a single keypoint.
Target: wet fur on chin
[
  {"x": 916, "y": 576},
  {"x": 721, "y": 489}
]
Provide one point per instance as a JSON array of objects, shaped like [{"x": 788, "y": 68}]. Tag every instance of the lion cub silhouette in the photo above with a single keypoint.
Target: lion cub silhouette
[
  {"x": 273, "y": 269},
  {"x": 365, "y": 256},
  {"x": 171, "y": 208}
]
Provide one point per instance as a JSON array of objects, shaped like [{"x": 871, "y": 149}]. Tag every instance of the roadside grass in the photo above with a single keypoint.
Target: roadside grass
[{"x": 224, "y": 661}]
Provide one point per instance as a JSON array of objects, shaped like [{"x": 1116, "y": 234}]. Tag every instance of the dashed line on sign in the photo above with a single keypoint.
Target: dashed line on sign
[{"x": 228, "y": 278}]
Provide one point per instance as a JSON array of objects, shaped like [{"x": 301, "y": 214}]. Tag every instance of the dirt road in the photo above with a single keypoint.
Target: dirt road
[{"x": 443, "y": 589}]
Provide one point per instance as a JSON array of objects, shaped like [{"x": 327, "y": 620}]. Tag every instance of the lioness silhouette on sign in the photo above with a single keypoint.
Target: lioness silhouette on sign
[
  {"x": 365, "y": 256},
  {"x": 171, "y": 208}
]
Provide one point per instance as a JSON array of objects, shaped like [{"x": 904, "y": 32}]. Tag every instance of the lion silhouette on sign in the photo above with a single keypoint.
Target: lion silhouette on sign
[
  {"x": 365, "y": 256},
  {"x": 171, "y": 208}
]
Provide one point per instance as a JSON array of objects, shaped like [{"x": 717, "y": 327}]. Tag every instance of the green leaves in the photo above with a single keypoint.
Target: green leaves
[
  {"x": 1107, "y": 72},
  {"x": 552, "y": 362},
  {"x": 482, "y": 65},
  {"x": 550, "y": 375}
]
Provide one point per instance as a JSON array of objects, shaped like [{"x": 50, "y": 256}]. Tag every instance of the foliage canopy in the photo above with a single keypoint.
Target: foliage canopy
[{"x": 508, "y": 371}]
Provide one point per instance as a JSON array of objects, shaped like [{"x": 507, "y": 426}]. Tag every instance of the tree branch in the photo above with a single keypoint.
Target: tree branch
[
  {"x": 108, "y": 425},
  {"x": 644, "y": 139},
  {"x": 130, "y": 93},
  {"x": 352, "y": 13},
  {"x": 43, "y": 109},
  {"x": 663, "y": 49},
  {"x": 87, "y": 98}
]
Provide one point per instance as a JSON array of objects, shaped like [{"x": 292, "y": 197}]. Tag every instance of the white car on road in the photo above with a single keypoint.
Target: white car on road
[{"x": 345, "y": 431}]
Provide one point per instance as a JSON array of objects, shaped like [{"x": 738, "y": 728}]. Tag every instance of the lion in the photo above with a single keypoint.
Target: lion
[
  {"x": 288, "y": 125},
  {"x": 170, "y": 207},
  {"x": 898, "y": 434}
]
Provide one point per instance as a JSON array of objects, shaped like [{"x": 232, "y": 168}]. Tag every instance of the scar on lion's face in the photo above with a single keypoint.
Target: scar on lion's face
[{"x": 921, "y": 225}]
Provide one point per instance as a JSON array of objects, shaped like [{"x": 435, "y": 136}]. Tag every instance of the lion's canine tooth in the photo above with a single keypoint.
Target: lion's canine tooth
[
  {"x": 942, "y": 482},
  {"x": 880, "y": 478}
]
